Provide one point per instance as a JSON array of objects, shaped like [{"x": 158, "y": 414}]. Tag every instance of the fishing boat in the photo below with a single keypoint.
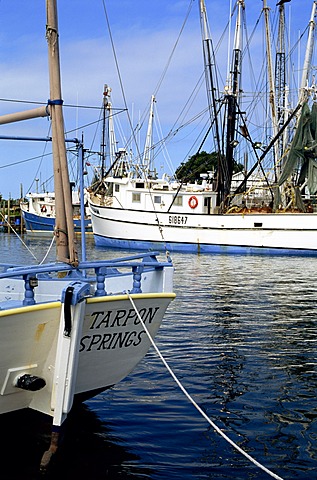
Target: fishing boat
[
  {"x": 261, "y": 195},
  {"x": 38, "y": 213},
  {"x": 73, "y": 328}
]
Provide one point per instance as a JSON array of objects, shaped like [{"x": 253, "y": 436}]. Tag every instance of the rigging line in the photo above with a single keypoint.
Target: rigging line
[
  {"x": 120, "y": 110},
  {"x": 41, "y": 160},
  {"x": 128, "y": 114},
  {"x": 191, "y": 100},
  {"x": 159, "y": 145},
  {"x": 19, "y": 237},
  {"x": 173, "y": 49},
  {"x": 181, "y": 116},
  {"x": 11, "y": 100},
  {"x": 183, "y": 389},
  {"x": 92, "y": 142},
  {"x": 51, "y": 177},
  {"x": 182, "y": 180},
  {"x": 143, "y": 116},
  {"x": 172, "y": 132},
  {"x": 25, "y": 161},
  {"x": 119, "y": 74},
  {"x": 163, "y": 147},
  {"x": 268, "y": 148}
]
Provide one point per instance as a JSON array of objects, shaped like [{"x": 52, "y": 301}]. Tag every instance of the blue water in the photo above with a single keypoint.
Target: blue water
[{"x": 241, "y": 336}]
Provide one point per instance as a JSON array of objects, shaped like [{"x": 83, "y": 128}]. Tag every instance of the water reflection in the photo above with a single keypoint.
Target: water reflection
[
  {"x": 241, "y": 336},
  {"x": 89, "y": 449}
]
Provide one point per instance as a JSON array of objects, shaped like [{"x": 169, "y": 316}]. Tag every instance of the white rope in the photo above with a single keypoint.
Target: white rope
[
  {"x": 48, "y": 251},
  {"x": 16, "y": 233},
  {"x": 25, "y": 245},
  {"x": 215, "y": 427}
]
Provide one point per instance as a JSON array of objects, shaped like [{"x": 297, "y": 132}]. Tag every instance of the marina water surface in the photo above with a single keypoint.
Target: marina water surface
[{"x": 241, "y": 337}]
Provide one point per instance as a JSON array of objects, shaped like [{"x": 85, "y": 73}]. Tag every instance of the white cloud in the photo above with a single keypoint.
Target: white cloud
[{"x": 144, "y": 34}]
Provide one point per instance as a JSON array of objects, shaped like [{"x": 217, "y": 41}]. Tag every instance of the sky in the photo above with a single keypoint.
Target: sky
[{"x": 144, "y": 34}]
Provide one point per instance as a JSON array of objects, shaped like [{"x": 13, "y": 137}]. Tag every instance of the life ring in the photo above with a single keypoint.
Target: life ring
[
  {"x": 193, "y": 202},
  {"x": 43, "y": 209}
]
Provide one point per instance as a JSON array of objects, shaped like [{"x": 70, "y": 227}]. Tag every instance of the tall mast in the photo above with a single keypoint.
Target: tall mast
[
  {"x": 272, "y": 99},
  {"x": 232, "y": 99},
  {"x": 146, "y": 162},
  {"x": 210, "y": 78},
  {"x": 308, "y": 55},
  {"x": 104, "y": 135},
  {"x": 64, "y": 224},
  {"x": 280, "y": 76},
  {"x": 108, "y": 141}
]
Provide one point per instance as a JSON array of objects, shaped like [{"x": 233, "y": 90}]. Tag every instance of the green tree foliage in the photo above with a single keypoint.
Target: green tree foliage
[{"x": 202, "y": 162}]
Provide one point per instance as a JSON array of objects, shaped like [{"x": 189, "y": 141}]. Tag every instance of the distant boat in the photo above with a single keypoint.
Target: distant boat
[
  {"x": 72, "y": 328},
  {"x": 269, "y": 208},
  {"x": 38, "y": 212}
]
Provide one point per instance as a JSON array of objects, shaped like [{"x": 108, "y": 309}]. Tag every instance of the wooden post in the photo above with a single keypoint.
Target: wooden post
[
  {"x": 9, "y": 216},
  {"x": 21, "y": 216}
]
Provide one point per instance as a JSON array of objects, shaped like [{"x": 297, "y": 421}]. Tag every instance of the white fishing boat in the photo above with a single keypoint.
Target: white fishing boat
[
  {"x": 269, "y": 208},
  {"x": 73, "y": 328}
]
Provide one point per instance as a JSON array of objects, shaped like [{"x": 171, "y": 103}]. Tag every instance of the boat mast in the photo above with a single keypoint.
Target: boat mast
[
  {"x": 272, "y": 99},
  {"x": 108, "y": 141},
  {"x": 103, "y": 137},
  {"x": 232, "y": 100},
  {"x": 308, "y": 56},
  {"x": 64, "y": 224},
  {"x": 280, "y": 77},
  {"x": 210, "y": 79},
  {"x": 146, "y": 161}
]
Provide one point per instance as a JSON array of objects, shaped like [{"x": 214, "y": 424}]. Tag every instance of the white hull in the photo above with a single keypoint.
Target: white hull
[
  {"x": 245, "y": 196},
  {"x": 106, "y": 341},
  {"x": 267, "y": 233},
  {"x": 71, "y": 329}
]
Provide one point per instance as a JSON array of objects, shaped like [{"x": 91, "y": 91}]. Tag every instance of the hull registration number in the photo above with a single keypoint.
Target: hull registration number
[{"x": 177, "y": 219}]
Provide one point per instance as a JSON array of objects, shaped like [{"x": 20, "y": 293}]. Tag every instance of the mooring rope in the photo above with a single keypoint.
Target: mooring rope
[
  {"x": 48, "y": 251},
  {"x": 19, "y": 237},
  {"x": 25, "y": 245},
  {"x": 214, "y": 426}
]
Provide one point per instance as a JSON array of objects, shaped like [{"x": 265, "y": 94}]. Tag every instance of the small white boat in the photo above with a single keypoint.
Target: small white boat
[
  {"x": 271, "y": 208},
  {"x": 73, "y": 328}
]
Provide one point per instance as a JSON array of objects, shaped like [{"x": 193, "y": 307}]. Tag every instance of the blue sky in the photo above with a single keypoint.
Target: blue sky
[{"x": 144, "y": 33}]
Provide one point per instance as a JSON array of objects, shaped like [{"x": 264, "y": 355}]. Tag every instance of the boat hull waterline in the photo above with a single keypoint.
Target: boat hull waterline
[
  {"x": 284, "y": 233},
  {"x": 43, "y": 226},
  {"x": 255, "y": 191}
]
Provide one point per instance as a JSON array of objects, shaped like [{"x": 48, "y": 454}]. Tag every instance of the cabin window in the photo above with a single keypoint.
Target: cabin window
[
  {"x": 139, "y": 185},
  {"x": 136, "y": 197},
  {"x": 157, "y": 199},
  {"x": 117, "y": 187},
  {"x": 178, "y": 202},
  {"x": 259, "y": 225}
]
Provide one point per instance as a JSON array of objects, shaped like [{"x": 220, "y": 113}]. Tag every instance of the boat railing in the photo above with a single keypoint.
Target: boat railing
[
  {"x": 95, "y": 271},
  {"x": 145, "y": 260}
]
